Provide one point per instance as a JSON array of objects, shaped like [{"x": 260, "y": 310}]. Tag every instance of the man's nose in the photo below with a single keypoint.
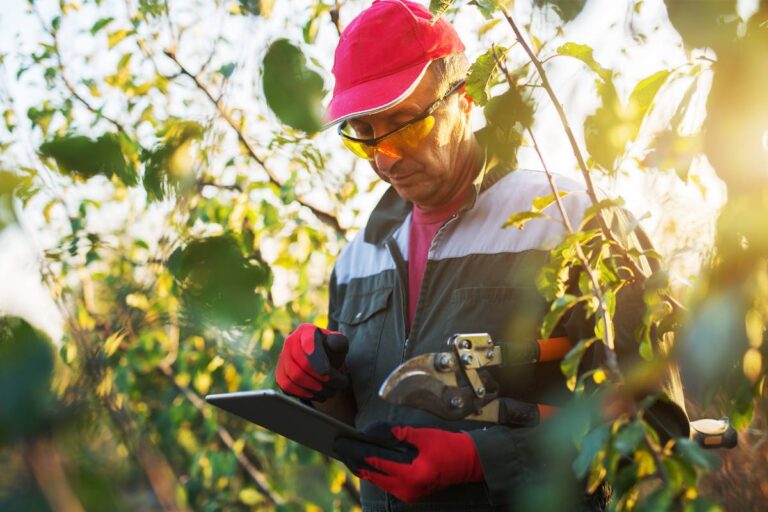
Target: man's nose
[{"x": 385, "y": 158}]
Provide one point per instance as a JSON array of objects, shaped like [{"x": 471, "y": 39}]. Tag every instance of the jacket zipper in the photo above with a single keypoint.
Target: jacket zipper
[
  {"x": 402, "y": 274},
  {"x": 424, "y": 282}
]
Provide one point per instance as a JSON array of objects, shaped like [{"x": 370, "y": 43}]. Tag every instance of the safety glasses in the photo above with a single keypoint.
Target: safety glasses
[{"x": 408, "y": 135}]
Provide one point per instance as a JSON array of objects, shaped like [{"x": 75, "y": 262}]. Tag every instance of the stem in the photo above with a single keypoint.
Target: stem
[
  {"x": 324, "y": 216},
  {"x": 44, "y": 461},
  {"x": 633, "y": 266},
  {"x": 610, "y": 354}
]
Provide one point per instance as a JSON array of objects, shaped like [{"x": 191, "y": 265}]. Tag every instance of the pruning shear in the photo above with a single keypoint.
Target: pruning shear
[{"x": 457, "y": 385}]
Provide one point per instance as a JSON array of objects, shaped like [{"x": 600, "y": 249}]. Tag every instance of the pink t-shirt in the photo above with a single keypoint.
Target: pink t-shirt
[{"x": 424, "y": 225}]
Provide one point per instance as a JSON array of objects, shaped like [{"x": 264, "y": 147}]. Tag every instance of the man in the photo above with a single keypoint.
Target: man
[{"x": 432, "y": 261}]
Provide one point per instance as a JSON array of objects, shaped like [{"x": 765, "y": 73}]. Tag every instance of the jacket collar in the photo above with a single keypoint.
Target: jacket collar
[{"x": 392, "y": 210}]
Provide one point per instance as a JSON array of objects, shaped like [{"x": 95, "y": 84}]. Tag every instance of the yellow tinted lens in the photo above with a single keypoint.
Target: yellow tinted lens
[
  {"x": 414, "y": 134},
  {"x": 358, "y": 148}
]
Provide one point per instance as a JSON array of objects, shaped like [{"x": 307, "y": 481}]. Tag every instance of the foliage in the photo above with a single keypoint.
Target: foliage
[{"x": 159, "y": 313}]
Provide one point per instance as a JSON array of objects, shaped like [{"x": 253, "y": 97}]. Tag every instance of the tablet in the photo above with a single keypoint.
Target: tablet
[{"x": 288, "y": 417}]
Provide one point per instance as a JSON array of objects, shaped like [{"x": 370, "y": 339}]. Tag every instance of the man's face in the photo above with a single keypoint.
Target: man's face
[{"x": 433, "y": 173}]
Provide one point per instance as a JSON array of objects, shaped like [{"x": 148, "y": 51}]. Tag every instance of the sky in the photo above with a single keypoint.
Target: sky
[{"x": 602, "y": 25}]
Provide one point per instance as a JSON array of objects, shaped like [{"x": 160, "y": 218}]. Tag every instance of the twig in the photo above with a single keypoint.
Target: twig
[
  {"x": 257, "y": 476},
  {"x": 610, "y": 354},
  {"x": 53, "y": 32},
  {"x": 607, "y": 233},
  {"x": 334, "y": 12},
  {"x": 324, "y": 216}
]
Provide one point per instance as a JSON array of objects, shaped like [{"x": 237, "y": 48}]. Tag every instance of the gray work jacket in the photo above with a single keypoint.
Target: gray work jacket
[{"x": 479, "y": 277}]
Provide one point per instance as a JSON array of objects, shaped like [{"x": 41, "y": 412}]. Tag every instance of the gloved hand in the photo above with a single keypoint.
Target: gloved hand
[
  {"x": 416, "y": 462},
  {"x": 304, "y": 369}
]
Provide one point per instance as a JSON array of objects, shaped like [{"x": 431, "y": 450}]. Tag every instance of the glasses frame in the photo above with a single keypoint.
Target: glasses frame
[{"x": 424, "y": 114}]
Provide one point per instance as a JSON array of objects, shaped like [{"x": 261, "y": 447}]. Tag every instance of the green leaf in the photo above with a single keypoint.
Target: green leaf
[
  {"x": 482, "y": 74},
  {"x": 672, "y": 152},
  {"x": 218, "y": 283},
  {"x": 583, "y": 52},
  {"x": 84, "y": 157},
  {"x": 659, "y": 500},
  {"x": 559, "y": 307},
  {"x": 541, "y": 203},
  {"x": 629, "y": 437},
  {"x": 572, "y": 360},
  {"x": 566, "y": 9},
  {"x": 100, "y": 24},
  {"x": 257, "y": 7},
  {"x": 438, "y": 8},
  {"x": 292, "y": 90},
  {"x": 26, "y": 370},
  {"x": 507, "y": 117},
  {"x": 612, "y": 126},
  {"x": 690, "y": 451},
  {"x": 488, "y": 7},
  {"x": 227, "y": 69},
  {"x": 9, "y": 183},
  {"x": 170, "y": 165},
  {"x": 518, "y": 220},
  {"x": 642, "y": 96},
  {"x": 592, "y": 444}
]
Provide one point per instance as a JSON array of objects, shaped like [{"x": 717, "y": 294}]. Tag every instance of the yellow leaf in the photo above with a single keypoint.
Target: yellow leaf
[
  {"x": 182, "y": 380},
  {"x": 599, "y": 376},
  {"x": 309, "y": 507},
  {"x": 232, "y": 378},
  {"x": 203, "y": 382},
  {"x": 187, "y": 440},
  {"x": 137, "y": 300},
  {"x": 198, "y": 343},
  {"x": 250, "y": 496},
  {"x": 338, "y": 479},
  {"x": 116, "y": 37},
  {"x": 215, "y": 364},
  {"x": 113, "y": 342},
  {"x": 105, "y": 386},
  {"x": 755, "y": 325},
  {"x": 267, "y": 339},
  {"x": 753, "y": 363},
  {"x": 238, "y": 446},
  {"x": 48, "y": 209}
]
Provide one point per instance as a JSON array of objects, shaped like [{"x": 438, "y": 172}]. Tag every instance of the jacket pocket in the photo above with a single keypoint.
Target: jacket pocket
[{"x": 362, "y": 319}]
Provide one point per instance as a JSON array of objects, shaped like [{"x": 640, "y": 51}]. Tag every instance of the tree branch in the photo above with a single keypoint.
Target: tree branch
[
  {"x": 53, "y": 32},
  {"x": 44, "y": 461},
  {"x": 636, "y": 270},
  {"x": 324, "y": 216},
  {"x": 262, "y": 484}
]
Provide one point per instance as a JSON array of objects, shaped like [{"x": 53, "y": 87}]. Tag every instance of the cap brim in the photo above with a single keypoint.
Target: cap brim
[{"x": 374, "y": 95}]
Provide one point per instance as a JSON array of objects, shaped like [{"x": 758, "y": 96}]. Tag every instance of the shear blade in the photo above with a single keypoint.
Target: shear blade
[{"x": 416, "y": 383}]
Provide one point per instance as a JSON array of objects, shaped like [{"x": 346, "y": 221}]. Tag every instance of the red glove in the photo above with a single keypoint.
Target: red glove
[
  {"x": 304, "y": 369},
  {"x": 414, "y": 462}
]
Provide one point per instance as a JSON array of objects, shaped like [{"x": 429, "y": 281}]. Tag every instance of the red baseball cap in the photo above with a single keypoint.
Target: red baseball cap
[{"x": 383, "y": 54}]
